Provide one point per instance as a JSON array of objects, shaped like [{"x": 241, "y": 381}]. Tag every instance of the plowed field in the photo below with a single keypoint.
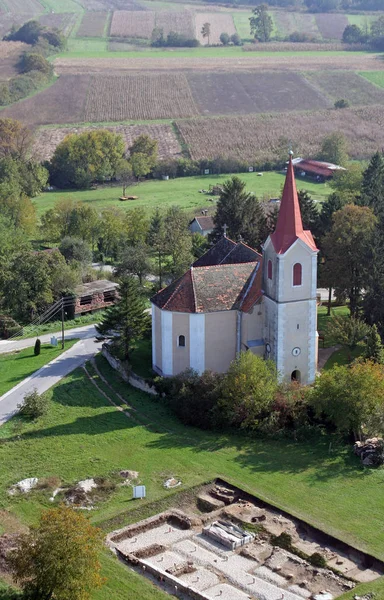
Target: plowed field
[
  {"x": 262, "y": 138},
  {"x": 139, "y": 97},
  {"x": 242, "y": 93},
  {"x": 48, "y": 139},
  {"x": 22, "y": 6},
  {"x": 140, "y": 24},
  {"x": 352, "y": 87},
  {"x": 219, "y": 22},
  {"x": 92, "y": 24},
  {"x": 331, "y": 27},
  {"x": 10, "y": 53}
]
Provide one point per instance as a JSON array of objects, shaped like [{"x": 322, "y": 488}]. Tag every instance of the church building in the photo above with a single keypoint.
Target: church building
[{"x": 233, "y": 299}]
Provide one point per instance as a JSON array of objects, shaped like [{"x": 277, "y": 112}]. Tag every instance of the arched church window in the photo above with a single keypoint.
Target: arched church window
[
  {"x": 297, "y": 274},
  {"x": 181, "y": 341},
  {"x": 269, "y": 269}
]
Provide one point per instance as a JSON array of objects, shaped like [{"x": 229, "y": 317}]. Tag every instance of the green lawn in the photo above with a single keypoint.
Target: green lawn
[
  {"x": 62, "y": 6},
  {"x": 362, "y": 21},
  {"x": 83, "y": 436},
  {"x": 141, "y": 359},
  {"x": 55, "y": 326},
  {"x": 92, "y": 45},
  {"x": 16, "y": 366},
  {"x": 323, "y": 319},
  {"x": 183, "y": 191},
  {"x": 344, "y": 356},
  {"x": 376, "y": 77},
  {"x": 242, "y": 25}
]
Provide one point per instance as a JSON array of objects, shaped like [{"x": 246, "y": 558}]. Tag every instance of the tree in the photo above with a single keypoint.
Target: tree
[
  {"x": 37, "y": 348},
  {"x": 124, "y": 173},
  {"x": 224, "y": 39},
  {"x": 73, "y": 219},
  {"x": 372, "y": 194},
  {"x": 83, "y": 158},
  {"x": 206, "y": 31},
  {"x": 374, "y": 350},
  {"x": 334, "y": 149},
  {"x": 28, "y": 33},
  {"x": 241, "y": 212},
  {"x": 261, "y": 23},
  {"x": 134, "y": 261},
  {"x": 377, "y": 27},
  {"x": 15, "y": 139},
  {"x": 342, "y": 103},
  {"x": 347, "y": 250},
  {"x": 157, "y": 241},
  {"x": 353, "y": 35},
  {"x": 178, "y": 240},
  {"x": 147, "y": 148},
  {"x": 347, "y": 331},
  {"x": 36, "y": 62},
  {"x": 334, "y": 203},
  {"x": 351, "y": 397},
  {"x": 127, "y": 321},
  {"x": 373, "y": 304},
  {"x": 140, "y": 165},
  {"x": 248, "y": 390},
  {"x": 33, "y": 405},
  {"x": 309, "y": 213},
  {"x": 349, "y": 181},
  {"x": 236, "y": 39},
  {"x": 55, "y": 38},
  {"x": 59, "y": 558},
  {"x": 75, "y": 249}
]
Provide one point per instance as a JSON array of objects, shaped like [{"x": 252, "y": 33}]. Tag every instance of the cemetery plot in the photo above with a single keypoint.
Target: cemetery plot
[
  {"x": 260, "y": 138},
  {"x": 242, "y": 93},
  {"x": 219, "y": 23},
  {"x": 331, "y": 26},
  {"x": 350, "y": 86},
  {"x": 47, "y": 140},
  {"x": 139, "y": 97},
  {"x": 92, "y": 24}
]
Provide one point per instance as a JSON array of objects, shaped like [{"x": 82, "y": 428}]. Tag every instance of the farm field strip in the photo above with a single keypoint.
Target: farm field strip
[
  {"x": 119, "y": 98},
  {"x": 140, "y": 24},
  {"x": 347, "y": 85},
  {"x": 46, "y": 140},
  {"x": 253, "y": 92},
  {"x": 65, "y": 22},
  {"x": 375, "y": 77},
  {"x": 290, "y": 22},
  {"x": 258, "y": 138},
  {"x": 23, "y": 6},
  {"x": 219, "y": 23},
  {"x": 92, "y": 24},
  {"x": 223, "y": 61},
  {"x": 331, "y": 27}
]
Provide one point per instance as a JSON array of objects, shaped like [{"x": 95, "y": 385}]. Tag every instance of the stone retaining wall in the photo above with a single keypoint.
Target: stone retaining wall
[{"x": 131, "y": 378}]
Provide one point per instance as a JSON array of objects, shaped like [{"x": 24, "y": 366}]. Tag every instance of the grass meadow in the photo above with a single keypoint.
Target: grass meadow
[
  {"x": 181, "y": 191},
  {"x": 83, "y": 435},
  {"x": 376, "y": 77}
]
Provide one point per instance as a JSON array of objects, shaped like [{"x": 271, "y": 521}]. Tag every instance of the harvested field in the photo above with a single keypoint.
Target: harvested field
[
  {"x": 10, "y": 53},
  {"x": 302, "y": 47},
  {"x": 47, "y": 139},
  {"x": 246, "y": 61},
  {"x": 140, "y": 24},
  {"x": 290, "y": 22},
  {"x": 111, "y": 5},
  {"x": 119, "y": 98},
  {"x": 260, "y": 138},
  {"x": 63, "y": 102},
  {"x": 62, "y": 21},
  {"x": 331, "y": 26},
  {"x": 92, "y": 24},
  {"x": 219, "y": 22},
  {"x": 352, "y": 87},
  {"x": 253, "y": 92},
  {"x": 22, "y": 6},
  {"x": 7, "y": 20}
]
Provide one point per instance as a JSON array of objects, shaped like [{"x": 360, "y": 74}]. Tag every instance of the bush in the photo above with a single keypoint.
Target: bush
[
  {"x": 37, "y": 348},
  {"x": 342, "y": 103},
  {"x": 8, "y": 326},
  {"x": 317, "y": 560},
  {"x": 33, "y": 406},
  {"x": 284, "y": 540},
  {"x": 35, "y": 62},
  {"x": 236, "y": 39},
  {"x": 225, "y": 39}
]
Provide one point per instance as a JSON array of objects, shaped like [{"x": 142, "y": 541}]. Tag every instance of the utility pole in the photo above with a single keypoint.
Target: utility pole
[{"x": 62, "y": 324}]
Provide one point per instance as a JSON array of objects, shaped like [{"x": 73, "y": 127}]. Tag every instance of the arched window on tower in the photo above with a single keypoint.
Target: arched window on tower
[
  {"x": 297, "y": 274},
  {"x": 269, "y": 268},
  {"x": 181, "y": 341}
]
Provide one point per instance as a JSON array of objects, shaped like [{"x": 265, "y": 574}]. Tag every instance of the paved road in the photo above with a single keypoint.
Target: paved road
[
  {"x": 82, "y": 333},
  {"x": 50, "y": 374}
]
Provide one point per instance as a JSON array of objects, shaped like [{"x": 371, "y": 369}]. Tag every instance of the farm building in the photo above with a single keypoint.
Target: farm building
[
  {"x": 203, "y": 225},
  {"x": 233, "y": 299},
  {"x": 314, "y": 168},
  {"x": 95, "y": 296}
]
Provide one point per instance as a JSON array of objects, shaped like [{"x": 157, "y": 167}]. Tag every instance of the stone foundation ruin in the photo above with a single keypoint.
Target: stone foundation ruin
[{"x": 231, "y": 545}]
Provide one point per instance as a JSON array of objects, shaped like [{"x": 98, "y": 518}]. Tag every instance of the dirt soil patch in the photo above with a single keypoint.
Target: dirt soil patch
[
  {"x": 253, "y": 92},
  {"x": 47, "y": 140},
  {"x": 10, "y": 54},
  {"x": 331, "y": 26},
  {"x": 92, "y": 24}
]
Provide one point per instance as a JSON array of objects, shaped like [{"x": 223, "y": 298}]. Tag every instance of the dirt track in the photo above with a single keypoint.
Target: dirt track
[{"x": 248, "y": 62}]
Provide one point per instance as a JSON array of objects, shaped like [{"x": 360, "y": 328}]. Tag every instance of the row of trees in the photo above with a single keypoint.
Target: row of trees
[
  {"x": 346, "y": 399},
  {"x": 372, "y": 34},
  {"x": 315, "y": 5}
]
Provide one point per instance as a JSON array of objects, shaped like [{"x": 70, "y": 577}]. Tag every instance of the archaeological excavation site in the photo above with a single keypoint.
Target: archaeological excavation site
[{"x": 225, "y": 543}]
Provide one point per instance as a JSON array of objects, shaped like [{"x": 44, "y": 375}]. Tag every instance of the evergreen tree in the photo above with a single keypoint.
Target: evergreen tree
[
  {"x": 373, "y": 185},
  {"x": 241, "y": 212},
  {"x": 309, "y": 213},
  {"x": 157, "y": 241},
  {"x": 373, "y": 304},
  {"x": 374, "y": 350},
  {"x": 127, "y": 320},
  {"x": 333, "y": 203}
]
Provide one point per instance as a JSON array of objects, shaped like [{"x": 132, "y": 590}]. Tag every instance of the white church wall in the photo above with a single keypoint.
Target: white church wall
[
  {"x": 252, "y": 325},
  {"x": 181, "y": 354},
  {"x": 166, "y": 342},
  {"x": 197, "y": 335}
]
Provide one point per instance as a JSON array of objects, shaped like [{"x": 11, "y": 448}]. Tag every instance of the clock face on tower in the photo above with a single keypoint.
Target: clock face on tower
[
  {"x": 268, "y": 347},
  {"x": 296, "y": 351}
]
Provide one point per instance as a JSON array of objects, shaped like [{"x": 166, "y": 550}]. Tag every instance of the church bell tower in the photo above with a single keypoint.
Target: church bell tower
[{"x": 289, "y": 284}]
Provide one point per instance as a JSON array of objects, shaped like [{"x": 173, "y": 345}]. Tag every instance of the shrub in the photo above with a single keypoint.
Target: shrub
[
  {"x": 317, "y": 560},
  {"x": 284, "y": 540},
  {"x": 8, "y": 326},
  {"x": 225, "y": 39},
  {"x": 34, "y": 405},
  {"x": 37, "y": 348},
  {"x": 35, "y": 62},
  {"x": 342, "y": 103},
  {"x": 236, "y": 39}
]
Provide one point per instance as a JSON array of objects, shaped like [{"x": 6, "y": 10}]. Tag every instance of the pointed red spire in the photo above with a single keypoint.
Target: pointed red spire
[{"x": 289, "y": 225}]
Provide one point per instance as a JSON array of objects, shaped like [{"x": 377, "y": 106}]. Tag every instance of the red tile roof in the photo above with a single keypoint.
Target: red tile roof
[{"x": 289, "y": 225}]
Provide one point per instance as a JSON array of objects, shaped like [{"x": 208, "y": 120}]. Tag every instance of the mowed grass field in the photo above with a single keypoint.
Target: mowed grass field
[
  {"x": 84, "y": 436},
  {"x": 374, "y": 77},
  {"x": 182, "y": 191}
]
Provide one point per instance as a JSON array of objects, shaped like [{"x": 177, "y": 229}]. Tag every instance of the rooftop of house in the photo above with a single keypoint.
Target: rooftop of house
[
  {"x": 95, "y": 287},
  {"x": 317, "y": 167},
  {"x": 206, "y": 223},
  {"x": 226, "y": 251}
]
